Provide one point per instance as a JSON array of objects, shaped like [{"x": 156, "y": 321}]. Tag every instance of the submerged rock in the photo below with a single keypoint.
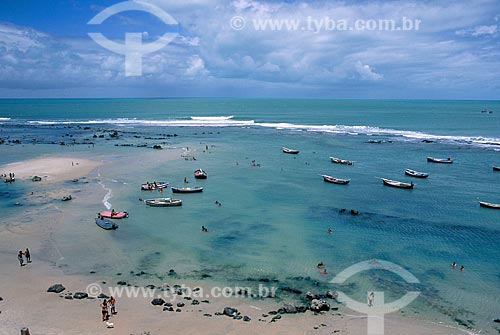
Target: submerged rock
[
  {"x": 332, "y": 294},
  {"x": 247, "y": 318},
  {"x": 56, "y": 288}
]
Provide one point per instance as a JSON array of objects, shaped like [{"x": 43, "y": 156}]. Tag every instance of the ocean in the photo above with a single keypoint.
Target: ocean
[{"x": 276, "y": 208}]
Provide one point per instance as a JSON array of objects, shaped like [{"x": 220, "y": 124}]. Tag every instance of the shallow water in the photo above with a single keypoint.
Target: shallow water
[{"x": 275, "y": 211}]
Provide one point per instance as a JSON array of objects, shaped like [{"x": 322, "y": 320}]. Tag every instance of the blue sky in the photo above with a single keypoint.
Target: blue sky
[{"x": 455, "y": 54}]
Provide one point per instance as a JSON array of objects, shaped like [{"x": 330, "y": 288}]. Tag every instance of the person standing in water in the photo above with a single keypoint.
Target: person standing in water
[{"x": 371, "y": 297}]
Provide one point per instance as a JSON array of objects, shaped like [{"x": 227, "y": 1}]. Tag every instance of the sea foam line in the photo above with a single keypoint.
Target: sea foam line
[{"x": 108, "y": 195}]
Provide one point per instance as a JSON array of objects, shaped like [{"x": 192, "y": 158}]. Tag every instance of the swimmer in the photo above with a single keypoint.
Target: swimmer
[{"x": 320, "y": 265}]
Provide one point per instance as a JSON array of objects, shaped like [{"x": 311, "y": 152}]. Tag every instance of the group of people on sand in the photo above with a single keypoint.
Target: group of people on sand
[
  {"x": 21, "y": 255},
  {"x": 454, "y": 265},
  {"x": 108, "y": 308}
]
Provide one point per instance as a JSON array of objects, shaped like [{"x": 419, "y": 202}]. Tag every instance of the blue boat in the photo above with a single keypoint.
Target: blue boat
[{"x": 106, "y": 224}]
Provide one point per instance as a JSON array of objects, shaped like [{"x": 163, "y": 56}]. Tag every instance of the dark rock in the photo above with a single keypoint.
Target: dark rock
[
  {"x": 80, "y": 295},
  {"x": 291, "y": 290},
  {"x": 1, "y": 298},
  {"x": 272, "y": 313},
  {"x": 277, "y": 317},
  {"x": 207, "y": 315},
  {"x": 168, "y": 304},
  {"x": 205, "y": 301},
  {"x": 122, "y": 283},
  {"x": 181, "y": 304},
  {"x": 157, "y": 301},
  {"x": 289, "y": 309},
  {"x": 195, "y": 302},
  {"x": 168, "y": 309},
  {"x": 150, "y": 286},
  {"x": 56, "y": 288},
  {"x": 310, "y": 296},
  {"x": 229, "y": 311},
  {"x": 69, "y": 297},
  {"x": 178, "y": 310},
  {"x": 264, "y": 280},
  {"x": 332, "y": 294},
  {"x": 496, "y": 320},
  {"x": 319, "y": 305},
  {"x": 102, "y": 296},
  {"x": 171, "y": 272},
  {"x": 237, "y": 317}
]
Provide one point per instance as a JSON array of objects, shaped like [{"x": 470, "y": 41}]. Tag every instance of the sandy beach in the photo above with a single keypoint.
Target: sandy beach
[
  {"x": 26, "y": 302},
  {"x": 51, "y": 169}
]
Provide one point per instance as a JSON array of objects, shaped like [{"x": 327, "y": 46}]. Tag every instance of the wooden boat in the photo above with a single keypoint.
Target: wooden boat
[
  {"x": 489, "y": 205},
  {"x": 398, "y": 184},
  {"x": 496, "y": 168},
  {"x": 154, "y": 186},
  {"x": 187, "y": 189},
  {"x": 115, "y": 215},
  {"x": 163, "y": 202},
  {"x": 416, "y": 174},
  {"x": 200, "y": 174},
  {"x": 290, "y": 151},
  {"x": 333, "y": 180},
  {"x": 439, "y": 160},
  {"x": 106, "y": 224},
  {"x": 341, "y": 161}
]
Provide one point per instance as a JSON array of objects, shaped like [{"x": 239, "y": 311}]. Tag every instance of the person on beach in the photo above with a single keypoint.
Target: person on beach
[
  {"x": 454, "y": 265},
  {"x": 28, "y": 255},
  {"x": 104, "y": 310},
  {"x": 112, "y": 302},
  {"x": 371, "y": 297},
  {"x": 20, "y": 258}
]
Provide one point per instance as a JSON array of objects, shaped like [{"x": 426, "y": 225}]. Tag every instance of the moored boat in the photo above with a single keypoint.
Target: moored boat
[
  {"x": 334, "y": 180},
  {"x": 496, "y": 168},
  {"x": 200, "y": 174},
  {"x": 416, "y": 174},
  {"x": 440, "y": 160},
  {"x": 489, "y": 205},
  {"x": 154, "y": 185},
  {"x": 398, "y": 184},
  {"x": 187, "y": 189},
  {"x": 113, "y": 215},
  {"x": 290, "y": 151},
  {"x": 106, "y": 224},
  {"x": 340, "y": 161},
  {"x": 163, "y": 202}
]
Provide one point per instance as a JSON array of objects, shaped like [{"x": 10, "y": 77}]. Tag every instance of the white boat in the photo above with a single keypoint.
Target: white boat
[
  {"x": 398, "y": 184},
  {"x": 440, "y": 160},
  {"x": 416, "y": 174},
  {"x": 333, "y": 180},
  {"x": 163, "y": 202},
  {"x": 187, "y": 189},
  {"x": 154, "y": 186},
  {"x": 489, "y": 205},
  {"x": 290, "y": 151},
  {"x": 340, "y": 161}
]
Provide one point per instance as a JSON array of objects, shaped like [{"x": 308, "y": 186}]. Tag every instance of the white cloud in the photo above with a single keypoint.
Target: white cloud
[{"x": 366, "y": 72}]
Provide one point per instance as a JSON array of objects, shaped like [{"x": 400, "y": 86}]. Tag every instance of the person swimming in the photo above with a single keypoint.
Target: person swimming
[
  {"x": 454, "y": 265},
  {"x": 320, "y": 265},
  {"x": 329, "y": 230},
  {"x": 462, "y": 268},
  {"x": 204, "y": 229}
]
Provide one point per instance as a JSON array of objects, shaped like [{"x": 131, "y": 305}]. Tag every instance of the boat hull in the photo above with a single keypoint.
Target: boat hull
[
  {"x": 117, "y": 215},
  {"x": 439, "y": 160},
  {"x": 489, "y": 205},
  {"x": 496, "y": 168},
  {"x": 167, "y": 202},
  {"x": 332, "y": 180},
  {"x": 397, "y": 184},
  {"x": 340, "y": 161},
  {"x": 106, "y": 224},
  {"x": 290, "y": 151},
  {"x": 416, "y": 174},
  {"x": 187, "y": 189}
]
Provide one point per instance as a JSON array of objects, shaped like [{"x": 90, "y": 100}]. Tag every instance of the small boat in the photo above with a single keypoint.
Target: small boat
[
  {"x": 113, "y": 215},
  {"x": 416, "y": 174},
  {"x": 440, "y": 160},
  {"x": 333, "y": 180},
  {"x": 496, "y": 168},
  {"x": 163, "y": 202},
  {"x": 154, "y": 186},
  {"x": 67, "y": 198},
  {"x": 340, "y": 161},
  {"x": 290, "y": 151},
  {"x": 187, "y": 189},
  {"x": 36, "y": 178},
  {"x": 398, "y": 184},
  {"x": 106, "y": 224},
  {"x": 200, "y": 174},
  {"x": 489, "y": 205}
]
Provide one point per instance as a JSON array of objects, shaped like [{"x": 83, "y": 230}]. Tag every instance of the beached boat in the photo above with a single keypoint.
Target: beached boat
[
  {"x": 154, "y": 186},
  {"x": 489, "y": 205},
  {"x": 340, "y": 161},
  {"x": 290, "y": 151},
  {"x": 416, "y": 174},
  {"x": 398, "y": 184},
  {"x": 113, "y": 215},
  {"x": 187, "y": 189},
  {"x": 106, "y": 224},
  {"x": 439, "y": 160},
  {"x": 496, "y": 168},
  {"x": 333, "y": 180},
  {"x": 200, "y": 174},
  {"x": 163, "y": 202}
]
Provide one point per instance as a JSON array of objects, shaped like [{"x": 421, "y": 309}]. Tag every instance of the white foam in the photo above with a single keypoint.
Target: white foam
[
  {"x": 224, "y": 121},
  {"x": 108, "y": 195},
  {"x": 4, "y": 118},
  {"x": 211, "y": 118}
]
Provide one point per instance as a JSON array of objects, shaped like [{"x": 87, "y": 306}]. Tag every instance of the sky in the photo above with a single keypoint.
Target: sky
[{"x": 253, "y": 49}]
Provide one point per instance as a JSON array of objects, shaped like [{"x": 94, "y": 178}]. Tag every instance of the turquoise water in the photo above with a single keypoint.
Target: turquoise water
[{"x": 274, "y": 216}]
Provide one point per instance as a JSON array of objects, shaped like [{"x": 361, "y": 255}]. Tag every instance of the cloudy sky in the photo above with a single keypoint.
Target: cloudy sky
[{"x": 235, "y": 48}]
